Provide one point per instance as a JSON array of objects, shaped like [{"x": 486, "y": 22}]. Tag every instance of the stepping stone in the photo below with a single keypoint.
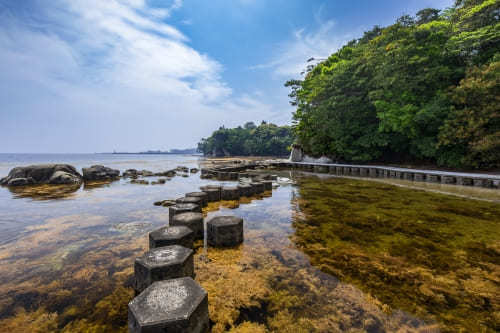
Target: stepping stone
[
  {"x": 193, "y": 200},
  {"x": 163, "y": 263},
  {"x": 193, "y": 221},
  {"x": 173, "y": 235},
  {"x": 202, "y": 195},
  {"x": 183, "y": 208},
  {"x": 225, "y": 231},
  {"x": 230, "y": 193},
  {"x": 268, "y": 185},
  {"x": 245, "y": 190},
  {"x": 258, "y": 187},
  {"x": 212, "y": 191},
  {"x": 178, "y": 305}
]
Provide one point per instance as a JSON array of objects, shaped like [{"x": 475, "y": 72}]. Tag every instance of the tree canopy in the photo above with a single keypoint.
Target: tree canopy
[
  {"x": 250, "y": 140},
  {"x": 425, "y": 89}
]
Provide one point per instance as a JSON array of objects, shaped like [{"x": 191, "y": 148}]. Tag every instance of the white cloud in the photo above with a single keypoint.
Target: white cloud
[
  {"x": 114, "y": 68},
  {"x": 290, "y": 58}
]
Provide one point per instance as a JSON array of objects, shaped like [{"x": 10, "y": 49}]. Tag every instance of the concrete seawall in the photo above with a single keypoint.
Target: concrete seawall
[{"x": 434, "y": 176}]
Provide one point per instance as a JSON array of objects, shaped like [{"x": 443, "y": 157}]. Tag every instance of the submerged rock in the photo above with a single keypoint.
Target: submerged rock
[
  {"x": 42, "y": 174},
  {"x": 99, "y": 173}
]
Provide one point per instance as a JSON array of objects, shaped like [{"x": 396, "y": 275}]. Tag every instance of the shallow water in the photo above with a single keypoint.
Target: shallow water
[{"x": 320, "y": 254}]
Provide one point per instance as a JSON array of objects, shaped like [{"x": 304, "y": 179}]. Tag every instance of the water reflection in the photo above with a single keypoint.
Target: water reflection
[{"x": 44, "y": 192}]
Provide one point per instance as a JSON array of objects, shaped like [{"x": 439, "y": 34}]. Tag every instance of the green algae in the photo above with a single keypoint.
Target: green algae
[{"x": 432, "y": 255}]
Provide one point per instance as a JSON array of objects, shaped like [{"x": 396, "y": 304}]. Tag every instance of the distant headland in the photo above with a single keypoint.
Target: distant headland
[{"x": 189, "y": 151}]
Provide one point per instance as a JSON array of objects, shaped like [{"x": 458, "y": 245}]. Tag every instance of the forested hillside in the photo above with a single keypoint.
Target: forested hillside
[
  {"x": 263, "y": 140},
  {"x": 425, "y": 89}
]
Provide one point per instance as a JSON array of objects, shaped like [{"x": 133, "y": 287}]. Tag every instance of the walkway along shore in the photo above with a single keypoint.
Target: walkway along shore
[{"x": 433, "y": 176}]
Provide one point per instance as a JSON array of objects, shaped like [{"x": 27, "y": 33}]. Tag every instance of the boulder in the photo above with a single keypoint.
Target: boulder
[
  {"x": 42, "y": 174},
  {"x": 100, "y": 173}
]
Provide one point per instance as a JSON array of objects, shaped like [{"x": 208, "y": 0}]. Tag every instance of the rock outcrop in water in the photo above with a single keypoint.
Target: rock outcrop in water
[
  {"x": 42, "y": 174},
  {"x": 99, "y": 173}
]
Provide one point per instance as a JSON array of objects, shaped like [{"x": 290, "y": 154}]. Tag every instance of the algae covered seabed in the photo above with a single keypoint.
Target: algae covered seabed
[{"x": 320, "y": 255}]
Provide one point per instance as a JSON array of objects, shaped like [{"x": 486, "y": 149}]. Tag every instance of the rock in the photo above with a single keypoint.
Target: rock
[
  {"x": 99, "y": 173},
  {"x": 201, "y": 195},
  {"x": 230, "y": 193},
  {"x": 130, "y": 173},
  {"x": 172, "y": 235},
  {"x": 21, "y": 182},
  {"x": 146, "y": 173},
  {"x": 194, "y": 170},
  {"x": 165, "y": 203},
  {"x": 139, "y": 181},
  {"x": 163, "y": 263},
  {"x": 183, "y": 208},
  {"x": 225, "y": 231},
  {"x": 42, "y": 174},
  {"x": 193, "y": 221},
  {"x": 182, "y": 169},
  {"x": 178, "y": 305}
]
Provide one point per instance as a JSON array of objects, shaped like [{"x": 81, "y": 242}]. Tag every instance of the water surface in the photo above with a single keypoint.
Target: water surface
[{"x": 320, "y": 254}]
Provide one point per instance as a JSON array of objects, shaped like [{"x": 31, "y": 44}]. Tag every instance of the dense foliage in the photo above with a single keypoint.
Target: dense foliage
[
  {"x": 425, "y": 89},
  {"x": 263, "y": 140}
]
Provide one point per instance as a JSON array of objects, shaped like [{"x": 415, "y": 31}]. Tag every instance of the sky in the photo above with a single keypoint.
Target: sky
[{"x": 85, "y": 76}]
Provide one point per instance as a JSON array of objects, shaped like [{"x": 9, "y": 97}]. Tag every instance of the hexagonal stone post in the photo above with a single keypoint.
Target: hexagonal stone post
[
  {"x": 213, "y": 194},
  {"x": 363, "y": 172},
  {"x": 339, "y": 171},
  {"x": 225, "y": 231},
  {"x": 268, "y": 185},
  {"x": 332, "y": 169},
  {"x": 373, "y": 172},
  {"x": 183, "y": 208},
  {"x": 177, "y": 305},
  {"x": 193, "y": 200},
  {"x": 246, "y": 190},
  {"x": 258, "y": 187},
  {"x": 230, "y": 193},
  {"x": 162, "y": 263},
  {"x": 355, "y": 171},
  {"x": 193, "y": 221},
  {"x": 174, "y": 235},
  {"x": 202, "y": 195}
]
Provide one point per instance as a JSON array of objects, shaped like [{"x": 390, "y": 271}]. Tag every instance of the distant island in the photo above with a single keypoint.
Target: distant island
[{"x": 189, "y": 151}]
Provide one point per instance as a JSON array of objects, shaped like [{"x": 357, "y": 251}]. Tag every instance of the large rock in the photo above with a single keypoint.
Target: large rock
[
  {"x": 42, "y": 174},
  {"x": 99, "y": 173}
]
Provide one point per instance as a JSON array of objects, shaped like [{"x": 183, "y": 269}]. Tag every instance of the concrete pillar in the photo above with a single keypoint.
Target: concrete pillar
[
  {"x": 245, "y": 190},
  {"x": 230, "y": 193},
  {"x": 354, "y": 171},
  {"x": 193, "y": 200},
  {"x": 183, "y": 208},
  {"x": 167, "y": 236},
  {"x": 433, "y": 178},
  {"x": 373, "y": 172},
  {"x": 193, "y": 221},
  {"x": 162, "y": 263},
  {"x": 363, "y": 172},
  {"x": 448, "y": 179},
  {"x": 177, "y": 305},
  {"x": 268, "y": 185},
  {"x": 332, "y": 169},
  {"x": 202, "y": 195},
  {"x": 464, "y": 181},
  {"x": 258, "y": 187},
  {"x": 225, "y": 231},
  {"x": 408, "y": 176},
  {"x": 419, "y": 177}
]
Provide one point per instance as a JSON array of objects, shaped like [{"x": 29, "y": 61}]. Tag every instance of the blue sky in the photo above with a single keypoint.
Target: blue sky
[{"x": 131, "y": 75}]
